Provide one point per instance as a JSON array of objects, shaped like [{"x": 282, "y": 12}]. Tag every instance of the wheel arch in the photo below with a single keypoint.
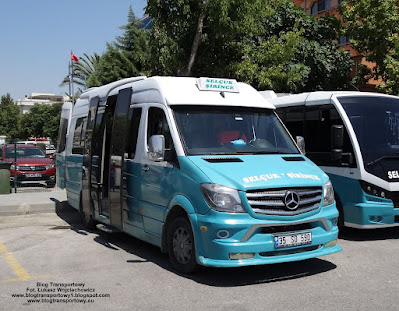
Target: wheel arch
[{"x": 179, "y": 206}]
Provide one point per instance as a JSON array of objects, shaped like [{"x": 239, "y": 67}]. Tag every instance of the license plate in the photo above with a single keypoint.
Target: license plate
[
  {"x": 288, "y": 240},
  {"x": 33, "y": 175}
]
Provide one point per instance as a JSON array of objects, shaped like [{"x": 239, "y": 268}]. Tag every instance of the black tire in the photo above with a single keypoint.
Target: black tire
[
  {"x": 340, "y": 209},
  {"x": 181, "y": 247},
  {"x": 50, "y": 185}
]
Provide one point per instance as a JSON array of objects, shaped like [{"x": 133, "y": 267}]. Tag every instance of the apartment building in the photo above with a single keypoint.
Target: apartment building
[{"x": 319, "y": 8}]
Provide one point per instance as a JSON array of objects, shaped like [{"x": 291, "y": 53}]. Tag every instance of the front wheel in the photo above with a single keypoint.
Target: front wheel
[{"x": 181, "y": 247}]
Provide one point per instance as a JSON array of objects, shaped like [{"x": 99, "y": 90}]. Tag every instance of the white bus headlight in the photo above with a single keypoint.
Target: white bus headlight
[
  {"x": 328, "y": 193},
  {"x": 222, "y": 199}
]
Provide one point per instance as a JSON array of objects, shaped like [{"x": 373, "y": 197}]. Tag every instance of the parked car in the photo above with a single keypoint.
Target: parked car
[{"x": 33, "y": 166}]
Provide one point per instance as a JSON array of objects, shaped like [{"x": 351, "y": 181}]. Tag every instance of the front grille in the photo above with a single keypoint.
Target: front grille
[
  {"x": 290, "y": 251},
  {"x": 31, "y": 168},
  {"x": 273, "y": 202},
  {"x": 286, "y": 228}
]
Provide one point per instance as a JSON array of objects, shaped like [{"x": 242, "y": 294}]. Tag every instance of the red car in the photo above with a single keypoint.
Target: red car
[{"x": 32, "y": 164}]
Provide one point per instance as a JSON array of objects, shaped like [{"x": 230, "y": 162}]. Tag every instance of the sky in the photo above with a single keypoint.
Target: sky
[{"x": 37, "y": 37}]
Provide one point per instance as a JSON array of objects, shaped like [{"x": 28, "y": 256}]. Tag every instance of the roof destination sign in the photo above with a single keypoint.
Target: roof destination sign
[{"x": 218, "y": 85}]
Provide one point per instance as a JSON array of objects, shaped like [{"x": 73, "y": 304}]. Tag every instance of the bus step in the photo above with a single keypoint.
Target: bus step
[{"x": 107, "y": 228}]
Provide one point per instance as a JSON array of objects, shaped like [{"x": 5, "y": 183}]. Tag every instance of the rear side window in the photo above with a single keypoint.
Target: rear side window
[
  {"x": 79, "y": 135},
  {"x": 131, "y": 141},
  {"x": 62, "y": 135}
]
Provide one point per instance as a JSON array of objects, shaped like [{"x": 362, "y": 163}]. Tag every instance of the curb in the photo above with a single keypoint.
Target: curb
[
  {"x": 33, "y": 208},
  {"x": 33, "y": 203}
]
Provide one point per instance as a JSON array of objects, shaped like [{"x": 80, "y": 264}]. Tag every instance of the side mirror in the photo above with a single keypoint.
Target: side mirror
[
  {"x": 337, "y": 142},
  {"x": 337, "y": 137},
  {"x": 300, "y": 141},
  {"x": 156, "y": 148}
]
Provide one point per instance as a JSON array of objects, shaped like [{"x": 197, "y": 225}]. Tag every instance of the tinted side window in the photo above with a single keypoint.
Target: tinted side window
[
  {"x": 294, "y": 120},
  {"x": 158, "y": 125},
  {"x": 79, "y": 135},
  {"x": 62, "y": 135},
  {"x": 131, "y": 141},
  {"x": 319, "y": 121}
]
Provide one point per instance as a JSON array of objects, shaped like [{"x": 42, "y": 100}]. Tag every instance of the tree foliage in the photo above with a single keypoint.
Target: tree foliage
[
  {"x": 9, "y": 117},
  {"x": 126, "y": 57},
  {"x": 374, "y": 30},
  {"x": 41, "y": 121},
  {"x": 269, "y": 44}
]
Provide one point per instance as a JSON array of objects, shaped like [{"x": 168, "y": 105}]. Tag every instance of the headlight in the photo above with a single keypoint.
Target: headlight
[
  {"x": 328, "y": 192},
  {"x": 373, "y": 190},
  {"x": 48, "y": 166},
  {"x": 222, "y": 199},
  {"x": 12, "y": 167}
]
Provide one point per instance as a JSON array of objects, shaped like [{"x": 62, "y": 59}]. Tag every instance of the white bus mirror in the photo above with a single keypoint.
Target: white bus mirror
[
  {"x": 156, "y": 148},
  {"x": 300, "y": 141}
]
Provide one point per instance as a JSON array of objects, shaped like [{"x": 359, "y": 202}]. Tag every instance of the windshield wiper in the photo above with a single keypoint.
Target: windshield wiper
[{"x": 392, "y": 157}]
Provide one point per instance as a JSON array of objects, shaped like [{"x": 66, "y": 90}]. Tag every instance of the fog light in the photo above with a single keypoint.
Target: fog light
[
  {"x": 241, "y": 255},
  {"x": 331, "y": 243},
  {"x": 223, "y": 234},
  {"x": 378, "y": 218},
  {"x": 334, "y": 221}
]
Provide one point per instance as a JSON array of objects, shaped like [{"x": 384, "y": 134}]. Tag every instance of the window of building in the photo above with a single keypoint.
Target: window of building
[
  {"x": 343, "y": 40},
  {"x": 319, "y": 6}
]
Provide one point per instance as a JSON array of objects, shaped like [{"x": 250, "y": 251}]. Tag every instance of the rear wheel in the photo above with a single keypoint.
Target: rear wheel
[{"x": 181, "y": 247}]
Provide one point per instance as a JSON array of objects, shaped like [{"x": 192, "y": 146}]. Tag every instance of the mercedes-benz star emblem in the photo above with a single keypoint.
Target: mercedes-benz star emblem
[{"x": 291, "y": 200}]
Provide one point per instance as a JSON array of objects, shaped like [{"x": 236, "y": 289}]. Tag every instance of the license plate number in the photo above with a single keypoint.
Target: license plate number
[
  {"x": 33, "y": 175},
  {"x": 288, "y": 240}
]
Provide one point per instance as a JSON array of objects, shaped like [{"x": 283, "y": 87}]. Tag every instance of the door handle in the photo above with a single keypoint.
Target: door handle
[{"x": 145, "y": 168}]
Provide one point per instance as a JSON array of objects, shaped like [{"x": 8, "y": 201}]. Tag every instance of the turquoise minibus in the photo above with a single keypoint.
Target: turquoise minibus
[{"x": 200, "y": 167}]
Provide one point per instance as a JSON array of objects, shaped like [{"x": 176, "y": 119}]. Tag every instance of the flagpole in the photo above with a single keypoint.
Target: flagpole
[{"x": 72, "y": 76}]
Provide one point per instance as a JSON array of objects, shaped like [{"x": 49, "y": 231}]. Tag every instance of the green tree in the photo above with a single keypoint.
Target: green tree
[
  {"x": 374, "y": 30},
  {"x": 82, "y": 70},
  {"x": 126, "y": 57},
  {"x": 6, "y": 100},
  {"x": 269, "y": 44},
  {"x": 9, "y": 118},
  {"x": 41, "y": 121}
]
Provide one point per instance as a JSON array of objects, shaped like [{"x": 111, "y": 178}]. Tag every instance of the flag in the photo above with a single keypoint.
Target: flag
[{"x": 74, "y": 58}]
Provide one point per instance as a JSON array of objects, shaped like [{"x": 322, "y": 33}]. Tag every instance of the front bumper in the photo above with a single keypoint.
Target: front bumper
[
  {"x": 218, "y": 236},
  {"x": 371, "y": 215}
]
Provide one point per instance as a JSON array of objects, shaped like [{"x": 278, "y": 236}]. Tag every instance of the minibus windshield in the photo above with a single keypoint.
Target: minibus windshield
[
  {"x": 375, "y": 120},
  {"x": 210, "y": 130}
]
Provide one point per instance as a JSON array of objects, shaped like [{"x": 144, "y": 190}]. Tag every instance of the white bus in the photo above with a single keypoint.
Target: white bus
[{"x": 354, "y": 138}]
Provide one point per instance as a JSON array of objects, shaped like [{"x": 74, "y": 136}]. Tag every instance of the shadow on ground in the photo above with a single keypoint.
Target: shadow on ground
[
  {"x": 351, "y": 234},
  {"x": 218, "y": 277}
]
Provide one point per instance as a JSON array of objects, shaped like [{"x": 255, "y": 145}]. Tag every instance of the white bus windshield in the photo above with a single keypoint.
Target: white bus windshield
[
  {"x": 375, "y": 120},
  {"x": 207, "y": 130}
]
